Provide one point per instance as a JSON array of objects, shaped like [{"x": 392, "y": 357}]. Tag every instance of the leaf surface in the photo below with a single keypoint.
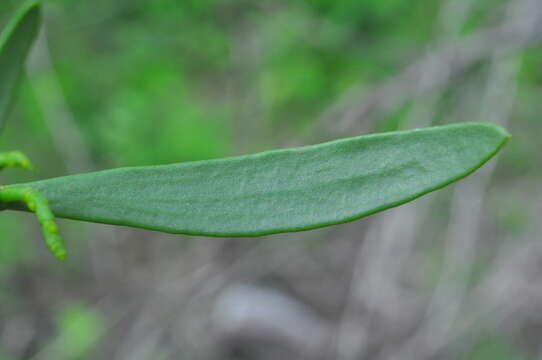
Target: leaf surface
[
  {"x": 15, "y": 43},
  {"x": 280, "y": 190}
]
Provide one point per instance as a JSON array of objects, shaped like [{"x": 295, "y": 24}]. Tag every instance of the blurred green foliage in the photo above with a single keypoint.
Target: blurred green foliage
[
  {"x": 495, "y": 348},
  {"x": 80, "y": 330}
]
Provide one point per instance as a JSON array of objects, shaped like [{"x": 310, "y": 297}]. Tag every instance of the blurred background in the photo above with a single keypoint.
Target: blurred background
[{"x": 454, "y": 275}]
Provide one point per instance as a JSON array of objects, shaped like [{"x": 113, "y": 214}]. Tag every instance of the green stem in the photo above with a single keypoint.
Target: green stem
[
  {"x": 37, "y": 203},
  {"x": 14, "y": 159}
]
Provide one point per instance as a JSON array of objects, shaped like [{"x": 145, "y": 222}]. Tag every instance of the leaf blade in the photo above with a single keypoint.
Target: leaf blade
[
  {"x": 15, "y": 43},
  {"x": 280, "y": 190}
]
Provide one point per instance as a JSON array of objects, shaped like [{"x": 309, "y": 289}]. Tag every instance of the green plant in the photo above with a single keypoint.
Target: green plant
[
  {"x": 270, "y": 192},
  {"x": 15, "y": 43}
]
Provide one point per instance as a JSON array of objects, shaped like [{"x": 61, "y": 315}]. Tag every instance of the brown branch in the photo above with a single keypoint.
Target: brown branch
[{"x": 432, "y": 72}]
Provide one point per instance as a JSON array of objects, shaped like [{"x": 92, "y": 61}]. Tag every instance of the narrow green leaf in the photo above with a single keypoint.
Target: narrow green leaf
[
  {"x": 15, "y": 42},
  {"x": 281, "y": 190}
]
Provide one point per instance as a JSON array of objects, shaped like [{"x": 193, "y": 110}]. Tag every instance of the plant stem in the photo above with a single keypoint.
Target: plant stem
[
  {"x": 14, "y": 159},
  {"x": 37, "y": 203}
]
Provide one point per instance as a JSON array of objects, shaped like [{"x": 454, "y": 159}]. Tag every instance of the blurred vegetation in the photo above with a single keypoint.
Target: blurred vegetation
[{"x": 161, "y": 81}]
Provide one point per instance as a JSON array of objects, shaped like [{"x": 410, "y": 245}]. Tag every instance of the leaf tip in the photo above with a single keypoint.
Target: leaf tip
[{"x": 495, "y": 130}]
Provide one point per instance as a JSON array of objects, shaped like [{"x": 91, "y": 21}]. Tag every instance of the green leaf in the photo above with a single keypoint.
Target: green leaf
[
  {"x": 281, "y": 190},
  {"x": 15, "y": 42}
]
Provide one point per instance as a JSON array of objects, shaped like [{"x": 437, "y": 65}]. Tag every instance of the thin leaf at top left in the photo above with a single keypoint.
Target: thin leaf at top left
[{"x": 15, "y": 42}]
